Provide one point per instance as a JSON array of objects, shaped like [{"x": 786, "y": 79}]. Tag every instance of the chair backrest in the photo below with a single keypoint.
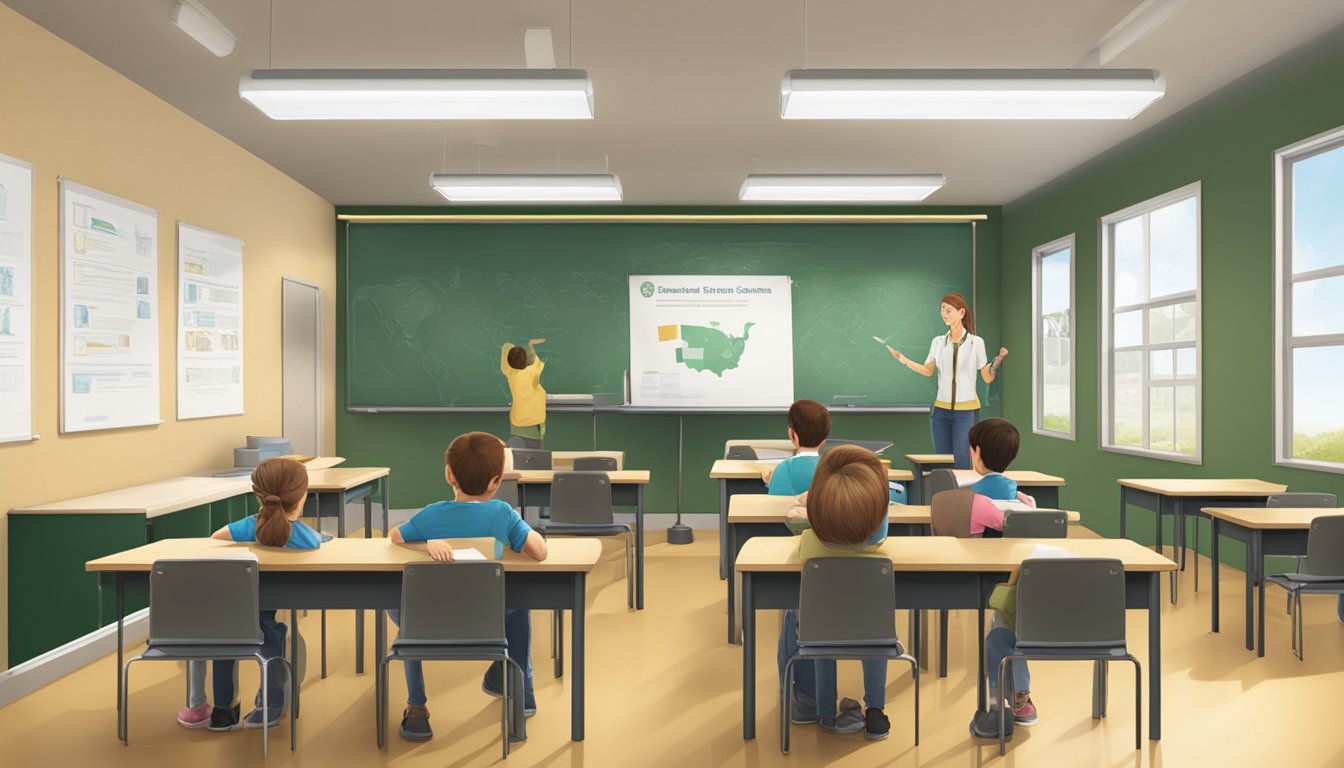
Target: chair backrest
[
  {"x": 204, "y": 602},
  {"x": 594, "y": 464},
  {"x": 1036, "y": 524},
  {"x": 518, "y": 441},
  {"x": 582, "y": 498},
  {"x": 847, "y": 601},
  {"x": 1325, "y": 547},
  {"x": 531, "y": 458},
  {"x": 1302, "y": 500},
  {"x": 1071, "y": 602},
  {"x": 940, "y": 480},
  {"x": 452, "y": 604},
  {"x": 741, "y": 453},
  {"x": 950, "y": 513},
  {"x": 508, "y": 491}
]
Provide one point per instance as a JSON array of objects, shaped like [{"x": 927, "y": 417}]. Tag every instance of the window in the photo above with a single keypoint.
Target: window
[
  {"x": 1052, "y": 340},
  {"x": 1309, "y": 197},
  {"x": 1150, "y": 360}
]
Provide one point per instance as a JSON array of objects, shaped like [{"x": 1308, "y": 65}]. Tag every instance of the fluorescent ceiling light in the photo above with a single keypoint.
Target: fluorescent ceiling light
[
  {"x": 419, "y": 94},
  {"x": 192, "y": 17},
  {"x": 527, "y": 188},
  {"x": 850, "y": 188},
  {"x": 968, "y": 94}
]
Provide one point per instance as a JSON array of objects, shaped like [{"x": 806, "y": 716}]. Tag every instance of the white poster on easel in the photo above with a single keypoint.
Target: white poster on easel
[
  {"x": 209, "y": 323},
  {"x": 109, "y": 311},
  {"x": 16, "y": 300}
]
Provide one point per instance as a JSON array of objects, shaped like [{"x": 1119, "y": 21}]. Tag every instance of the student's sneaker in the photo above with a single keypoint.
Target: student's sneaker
[
  {"x": 415, "y": 724},
  {"x": 876, "y": 725},
  {"x": 848, "y": 721},
  {"x": 493, "y": 685},
  {"x": 986, "y": 724},
  {"x": 225, "y": 719},
  {"x": 194, "y": 717},
  {"x": 1025, "y": 714},
  {"x": 257, "y": 719},
  {"x": 802, "y": 714}
]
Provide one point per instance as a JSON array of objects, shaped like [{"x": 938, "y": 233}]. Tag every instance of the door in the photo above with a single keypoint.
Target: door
[{"x": 301, "y": 351}]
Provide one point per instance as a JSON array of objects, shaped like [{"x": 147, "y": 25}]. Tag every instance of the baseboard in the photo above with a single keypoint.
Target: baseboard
[{"x": 17, "y": 682}]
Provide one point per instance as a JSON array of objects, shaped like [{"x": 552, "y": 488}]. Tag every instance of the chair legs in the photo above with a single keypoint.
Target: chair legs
[
  {"x": 509, "y": 719},
  {"x": 1099, "y": 677},
  {"x": 786, "y": 699}
]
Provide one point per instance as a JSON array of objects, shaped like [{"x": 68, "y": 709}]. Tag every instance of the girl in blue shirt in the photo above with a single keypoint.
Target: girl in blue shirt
[{"x": 281, "y": 485}]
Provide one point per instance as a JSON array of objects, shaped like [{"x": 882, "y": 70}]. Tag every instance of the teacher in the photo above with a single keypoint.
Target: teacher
[{"x": 955, "y": 356}]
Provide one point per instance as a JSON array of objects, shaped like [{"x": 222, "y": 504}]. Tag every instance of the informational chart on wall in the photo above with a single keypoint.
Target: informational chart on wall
[
  {"x": 109, "y": 306},
  {"x": 16, "y": 300},
  {"x": 209, "y": 323},
  {"x": 711, "y": 341}
]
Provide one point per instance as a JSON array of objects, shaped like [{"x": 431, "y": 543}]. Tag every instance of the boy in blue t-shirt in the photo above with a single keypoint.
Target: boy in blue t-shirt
[
  {"x": 474, "y": 467},
  {"x": 994, "y": 444},
  {"x": 809, "y": 425}
]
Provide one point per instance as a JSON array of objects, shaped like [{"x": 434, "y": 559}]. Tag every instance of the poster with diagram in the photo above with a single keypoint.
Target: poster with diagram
[
  {"x": 209, "y": 323},
  {"x": 109, "y": 311},
  {"x": 16, "y": 300}
]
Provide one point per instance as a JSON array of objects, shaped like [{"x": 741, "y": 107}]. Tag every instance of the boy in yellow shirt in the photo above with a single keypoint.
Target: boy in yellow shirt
[{"x": 527, "y": 415}]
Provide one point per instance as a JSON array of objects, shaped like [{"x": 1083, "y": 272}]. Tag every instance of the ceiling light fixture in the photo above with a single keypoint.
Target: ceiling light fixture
[
  {"x": 419, "y": 94},
  {"x": 1145, "y": 17},
  {"x": 192, "y": 17},
  {"x": 527, "y": 188},
  {"x": 848, "y": 188},
  {"x": 968, "y": 94}
]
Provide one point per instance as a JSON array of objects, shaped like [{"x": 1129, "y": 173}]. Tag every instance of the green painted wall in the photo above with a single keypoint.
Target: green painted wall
[
  {"x": 1226, "y": 142},
  {"x": 412, "y": 444}
]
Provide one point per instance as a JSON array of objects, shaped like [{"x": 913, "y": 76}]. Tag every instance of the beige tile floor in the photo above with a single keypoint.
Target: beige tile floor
[{"x": 665, "y": 690}]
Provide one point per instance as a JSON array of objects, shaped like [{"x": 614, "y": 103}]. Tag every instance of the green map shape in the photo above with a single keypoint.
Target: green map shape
[{"x": 721, "y": 351}]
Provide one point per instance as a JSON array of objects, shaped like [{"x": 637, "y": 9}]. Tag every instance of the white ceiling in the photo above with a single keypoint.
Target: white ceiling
[{"x": 686, "y": 91}]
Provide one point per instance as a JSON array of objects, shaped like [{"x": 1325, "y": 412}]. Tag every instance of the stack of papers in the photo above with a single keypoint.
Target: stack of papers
[{"x": 467, "y": 554}]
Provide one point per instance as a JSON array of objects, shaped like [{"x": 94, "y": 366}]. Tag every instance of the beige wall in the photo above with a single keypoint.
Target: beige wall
[{"x": 72, "y": 117}]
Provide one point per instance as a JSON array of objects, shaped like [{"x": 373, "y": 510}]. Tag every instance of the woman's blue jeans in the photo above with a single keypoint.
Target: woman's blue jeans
[{"x": 950, "y": 433}]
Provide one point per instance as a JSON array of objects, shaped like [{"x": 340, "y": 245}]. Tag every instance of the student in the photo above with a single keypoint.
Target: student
[
  {"x": 993, "y": 446},
  {"x": 1000, "y": 643},
  {"x": 527, "y": 414},
  {"x": 474, "y": 467},
  {"x": 281, "y": 485},
  {"x": 809, "y": 426},
  {"x": 847, "y": 512}
]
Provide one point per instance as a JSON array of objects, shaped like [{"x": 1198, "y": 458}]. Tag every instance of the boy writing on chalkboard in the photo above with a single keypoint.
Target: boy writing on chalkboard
[{"x": 522, "y": 368}]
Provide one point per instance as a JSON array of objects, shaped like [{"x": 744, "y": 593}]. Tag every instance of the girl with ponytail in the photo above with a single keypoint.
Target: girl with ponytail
[{"x": 281, "y": 487}]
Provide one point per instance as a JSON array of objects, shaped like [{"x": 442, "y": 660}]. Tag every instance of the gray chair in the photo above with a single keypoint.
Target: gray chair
[
  {"x": 939, "y": 480},
  {"x": 454, "y": 612},
  {"x": 950, "y": 515},
  {"x": 531, "y": 458},
  {"x": 581, "y": 506},
  {"x": 594, "y": 464},
  {"x": 508, "y": 491},
  {"x": 1312, "y": 500},
  {"x": 741, "y": 453},
  {"x": 518, "y": 441},
  {"x": 183, "y": 627},
  {"x": 1321, "y": 572},
  {"x": 1036, "y": 524},
  {"x": 1073, "y": 609},
  {"x": 846, "y": 610}
]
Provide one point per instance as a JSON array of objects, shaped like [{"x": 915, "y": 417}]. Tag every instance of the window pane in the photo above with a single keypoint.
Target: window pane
[
  {"x": 1055, "y": 282},
  {"x": 1185, "y": 363},
  {"x": 1185, "y": 420},
  {"x": 1183, "y": 324},
  {"x": 1128, "y": 393},
  {"x": 1161, "y": 419},
  {"x": 1318, "y": 198},
  {"x": 1129, "y": 329},
  {"x": 1128, "y": 241},
  {"x": 1318, "y": 306},
  {"x": 1171, "y": 243},
  {"x": 1159, "y": 325},
  {"x": 1318, "y": 408},
  {"x": 1161, "y": 365},
  {"x": 1056, "y": 365}
]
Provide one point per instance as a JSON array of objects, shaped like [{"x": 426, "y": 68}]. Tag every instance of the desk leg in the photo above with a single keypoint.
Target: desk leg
[
  {"x": 121, "y": 648},
  {"x": 340, "y": 514},
  {"x": 917, "y": 485},
  {"x": 639, "y": 547},
  {"x": 942, "y": 641},
  {"x": 294, "y": 661},
  {"x": 1251, "y": 554},
  {"x": 1259, "y": 565},
  {"x": 384, "y": 482},
  {"x": 379, "y": 651},
  {"x": 1213, "y": 575},
  {"x": 730, "y": 534},
  {"x": 982, "y": 691},
  {"x": 576, "y": 661},
  {"x": 359, "y": 614},
  {"x": 1122, "y": 511},
  {"x": 1154, "y": 657},
  {"x": 723, "y": 529},
  {"x": 748, "y": 659}
]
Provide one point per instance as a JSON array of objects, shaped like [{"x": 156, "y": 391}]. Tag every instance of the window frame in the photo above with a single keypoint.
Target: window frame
[
  {"x": 1284, "y": 280},
  {"x": 1105, "y": 234},
  {"x": 1037, "y": 368}
]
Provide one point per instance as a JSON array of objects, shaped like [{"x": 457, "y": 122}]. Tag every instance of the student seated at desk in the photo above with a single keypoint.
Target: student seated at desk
[
  {"x": 994, "y": 444},
  {"x": 474, "y": 467},
  {"x": 809, "y": 426},
  {"x": 847, "y": 512},
  {"x": 281, "y": 485},
  {"x": 1000, "y": 643}
]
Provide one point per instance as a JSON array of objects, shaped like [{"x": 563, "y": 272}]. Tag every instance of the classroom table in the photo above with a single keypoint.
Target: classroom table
[
  {"x": 940, "y": 572},
  {"x": 1278, "y": 531},
  {"x": 1172, "y": 496},
  {"x": 1040, "y": 486},
  {"x": 923, "y": 464},
  {"x": 366, "y": 573},
  {"x": 744, "y": 477},
  {"x": 627, "y": 490}
]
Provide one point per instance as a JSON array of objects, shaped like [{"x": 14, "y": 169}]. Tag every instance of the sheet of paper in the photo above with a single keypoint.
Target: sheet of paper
[
  {"x": 467, "y": 554},
  {"x": 1048, "y": 550},
  {"x": 1013, "y": 506},
  {"x": 772, "y": 454}
]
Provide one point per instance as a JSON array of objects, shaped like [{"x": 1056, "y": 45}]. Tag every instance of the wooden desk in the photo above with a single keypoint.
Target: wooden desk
[
  {"x": 923, "y": 464},
  {"x": 1279, "y": 531},
  {"x": 1042, "y": 487},
  {"x": 1174, "y": 496},
  {"x": 939, "y": 572},
  {"x": 627, "y": 490},
  {"x": 366, "y": 573},
  {"x": 744, "y": 478}
]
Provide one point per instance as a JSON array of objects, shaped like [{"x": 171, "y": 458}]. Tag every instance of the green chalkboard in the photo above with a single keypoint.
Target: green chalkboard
[{"x": 428, "y": 305}]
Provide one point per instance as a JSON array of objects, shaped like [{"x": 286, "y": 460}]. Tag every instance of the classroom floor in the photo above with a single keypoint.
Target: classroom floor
[{"x": 665, "y": 690}]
